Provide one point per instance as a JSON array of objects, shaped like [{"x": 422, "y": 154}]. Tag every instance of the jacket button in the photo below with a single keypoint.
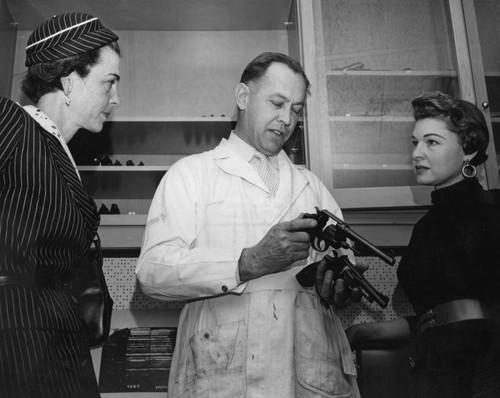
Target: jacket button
[{"x": 224, "y": 288}]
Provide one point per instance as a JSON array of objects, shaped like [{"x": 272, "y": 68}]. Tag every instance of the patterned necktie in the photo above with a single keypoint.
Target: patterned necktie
[{"x": 262, "y": 164}]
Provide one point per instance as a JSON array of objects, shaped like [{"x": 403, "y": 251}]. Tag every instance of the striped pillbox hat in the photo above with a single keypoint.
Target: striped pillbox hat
[{"x": 66, "y": 35}]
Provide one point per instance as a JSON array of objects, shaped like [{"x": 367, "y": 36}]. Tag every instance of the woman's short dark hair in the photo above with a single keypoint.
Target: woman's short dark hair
[
  {"x": 259, "y": 65},
  {"x": 461, "y": 117},
  {"x": 44, "y": 78}
]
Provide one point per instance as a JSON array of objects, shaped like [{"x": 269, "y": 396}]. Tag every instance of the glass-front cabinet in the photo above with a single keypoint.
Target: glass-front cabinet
[
  {"x": 483, "y": 29},
  {"x": 367, "y": 59}
]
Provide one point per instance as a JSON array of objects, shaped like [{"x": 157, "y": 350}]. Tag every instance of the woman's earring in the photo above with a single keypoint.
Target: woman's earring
[
  {"x": 468, "y": 170},
  {"x": 67, "y": 100}
]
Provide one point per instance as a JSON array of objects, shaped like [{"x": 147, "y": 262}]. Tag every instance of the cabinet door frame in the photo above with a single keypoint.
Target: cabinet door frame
[
  {"x": 480, "y": 91},
  {"x": 317, "y": 102}
]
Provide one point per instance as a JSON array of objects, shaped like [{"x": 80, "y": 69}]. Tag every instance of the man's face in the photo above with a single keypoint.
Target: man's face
[{"x": 273, "y": 107}]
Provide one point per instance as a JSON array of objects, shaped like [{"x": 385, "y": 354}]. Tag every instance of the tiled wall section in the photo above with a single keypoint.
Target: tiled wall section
[{"x": 127, "y": 294}]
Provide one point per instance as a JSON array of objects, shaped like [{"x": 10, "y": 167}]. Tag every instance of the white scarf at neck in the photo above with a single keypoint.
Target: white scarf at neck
[{"x": 44, "y": 121}]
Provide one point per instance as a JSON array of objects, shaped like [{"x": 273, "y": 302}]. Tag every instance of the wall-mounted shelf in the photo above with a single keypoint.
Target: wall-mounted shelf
[
  {"x": 372, "y": 166},
  {"x": 371, "y": 118},
  {"x": 123, "y": 219},
  {"x": 123, "y": 169},
  {"x": 389, "y": 73},
  {"x": 180, "y": 119}
]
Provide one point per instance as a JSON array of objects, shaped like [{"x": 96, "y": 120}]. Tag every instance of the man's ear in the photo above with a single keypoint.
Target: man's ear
[{"x": 242, "y": 92}]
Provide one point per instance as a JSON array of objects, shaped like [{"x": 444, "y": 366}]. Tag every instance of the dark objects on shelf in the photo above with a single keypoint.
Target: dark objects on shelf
[
  {"x": 114, "y": 209},
  {"x": 103, "y": 209}
]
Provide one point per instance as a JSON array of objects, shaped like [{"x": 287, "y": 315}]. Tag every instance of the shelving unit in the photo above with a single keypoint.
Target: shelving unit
[
  {"x": 156, "y": 142},
  {"x": 366, "y": 60},
  {"x": 178, "y": 73},
  {"x": 370, "y": 60}
]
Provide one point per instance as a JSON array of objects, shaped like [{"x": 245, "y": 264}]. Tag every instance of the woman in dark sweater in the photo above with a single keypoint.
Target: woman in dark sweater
[{"x": 451, "y": 269}]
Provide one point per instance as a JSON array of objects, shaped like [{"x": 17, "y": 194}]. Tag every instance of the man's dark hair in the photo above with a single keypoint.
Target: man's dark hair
[
  {"x": 259, "y": 65},
  {"x": 460, "y": 116}
]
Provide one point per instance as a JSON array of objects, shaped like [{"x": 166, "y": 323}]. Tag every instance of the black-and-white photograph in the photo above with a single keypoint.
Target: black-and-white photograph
[{"x": 250, "y": 198}]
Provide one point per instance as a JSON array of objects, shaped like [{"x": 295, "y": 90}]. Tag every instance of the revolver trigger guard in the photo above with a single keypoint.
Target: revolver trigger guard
[{"x": 319, "y": 245}]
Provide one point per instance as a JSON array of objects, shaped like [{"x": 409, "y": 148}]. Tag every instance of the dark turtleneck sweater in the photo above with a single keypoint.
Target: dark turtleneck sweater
[{"x": 454, "y": 250}]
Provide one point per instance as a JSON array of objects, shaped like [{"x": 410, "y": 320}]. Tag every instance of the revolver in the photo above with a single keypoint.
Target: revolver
[{"x": 338, "y": 236}]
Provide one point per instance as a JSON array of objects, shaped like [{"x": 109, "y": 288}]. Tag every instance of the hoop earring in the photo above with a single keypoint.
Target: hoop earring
[{"x": 468, "y": 170}]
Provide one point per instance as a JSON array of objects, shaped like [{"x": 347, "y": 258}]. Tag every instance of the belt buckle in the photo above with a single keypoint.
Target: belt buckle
[
  {"x": 426, "y": 315},
  {"x": 427, "y": 320}
]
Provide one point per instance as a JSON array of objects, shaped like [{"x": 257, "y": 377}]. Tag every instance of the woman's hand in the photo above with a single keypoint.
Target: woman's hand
[{"x": 335, "y": 290}]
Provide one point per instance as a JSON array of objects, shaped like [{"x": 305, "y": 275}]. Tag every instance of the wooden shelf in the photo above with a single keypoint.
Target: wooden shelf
[
  {"x": 346, "y": 166},
  {"x": 384, "y": 197},
  {"x": 173, "y": 119},
  {"x": 368, "y": 118},
  {"x": 123, "y": 219},
  {"x": 123, "y": 169},
  {"x": 398, "y": 73}
]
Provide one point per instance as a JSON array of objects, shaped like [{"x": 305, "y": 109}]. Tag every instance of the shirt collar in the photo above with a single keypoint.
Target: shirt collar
[{"x": 247, "y": 151}]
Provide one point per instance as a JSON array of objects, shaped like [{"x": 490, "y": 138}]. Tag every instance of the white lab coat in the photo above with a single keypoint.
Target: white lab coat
[{"x": 268, "y": 337}]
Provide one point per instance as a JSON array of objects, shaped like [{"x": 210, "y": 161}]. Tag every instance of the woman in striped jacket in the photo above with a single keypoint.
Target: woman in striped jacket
[{"x": 47, "y": 220}]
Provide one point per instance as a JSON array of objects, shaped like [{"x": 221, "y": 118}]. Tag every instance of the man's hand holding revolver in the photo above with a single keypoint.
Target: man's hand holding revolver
[
  {"x": 286, "y": 243},
  {"x": 339, "y": 236}
]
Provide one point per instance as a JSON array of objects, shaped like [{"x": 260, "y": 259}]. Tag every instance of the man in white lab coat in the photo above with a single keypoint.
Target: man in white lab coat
[{"x": 231, "y": 240}]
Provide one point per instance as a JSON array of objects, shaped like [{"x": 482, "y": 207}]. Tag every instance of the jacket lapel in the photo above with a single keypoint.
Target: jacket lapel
[{"x": 84, "y": 203}]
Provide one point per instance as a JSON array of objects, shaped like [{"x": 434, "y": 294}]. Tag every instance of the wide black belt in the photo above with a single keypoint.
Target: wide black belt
[
  {"x": 31, "y": 281},
  {"x": 453, "y": 311}
]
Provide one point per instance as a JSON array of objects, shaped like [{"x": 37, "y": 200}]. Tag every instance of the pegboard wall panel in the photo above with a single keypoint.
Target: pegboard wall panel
[
  {"x": 124, "y": 288},
  {"x": 127, "y": 294},
  {"x": 384, "y": 278}
]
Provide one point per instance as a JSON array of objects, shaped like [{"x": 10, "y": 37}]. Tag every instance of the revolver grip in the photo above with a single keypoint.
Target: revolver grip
[{"x": 307, "y": 276}]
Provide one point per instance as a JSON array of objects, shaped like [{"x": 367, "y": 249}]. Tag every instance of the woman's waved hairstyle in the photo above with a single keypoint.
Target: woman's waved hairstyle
[
  {"x": 46, "y": 77},
  {"x": 461, "y": 117}
]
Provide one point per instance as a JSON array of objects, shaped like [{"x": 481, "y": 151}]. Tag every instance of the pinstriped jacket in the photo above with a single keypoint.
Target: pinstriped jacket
[{"x": 47, "y": 221}]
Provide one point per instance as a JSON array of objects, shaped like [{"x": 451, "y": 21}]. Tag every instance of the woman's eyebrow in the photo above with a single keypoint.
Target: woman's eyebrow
[
  {"x": 434, "y": 134},
  {"x": 117, "y": 77}
]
